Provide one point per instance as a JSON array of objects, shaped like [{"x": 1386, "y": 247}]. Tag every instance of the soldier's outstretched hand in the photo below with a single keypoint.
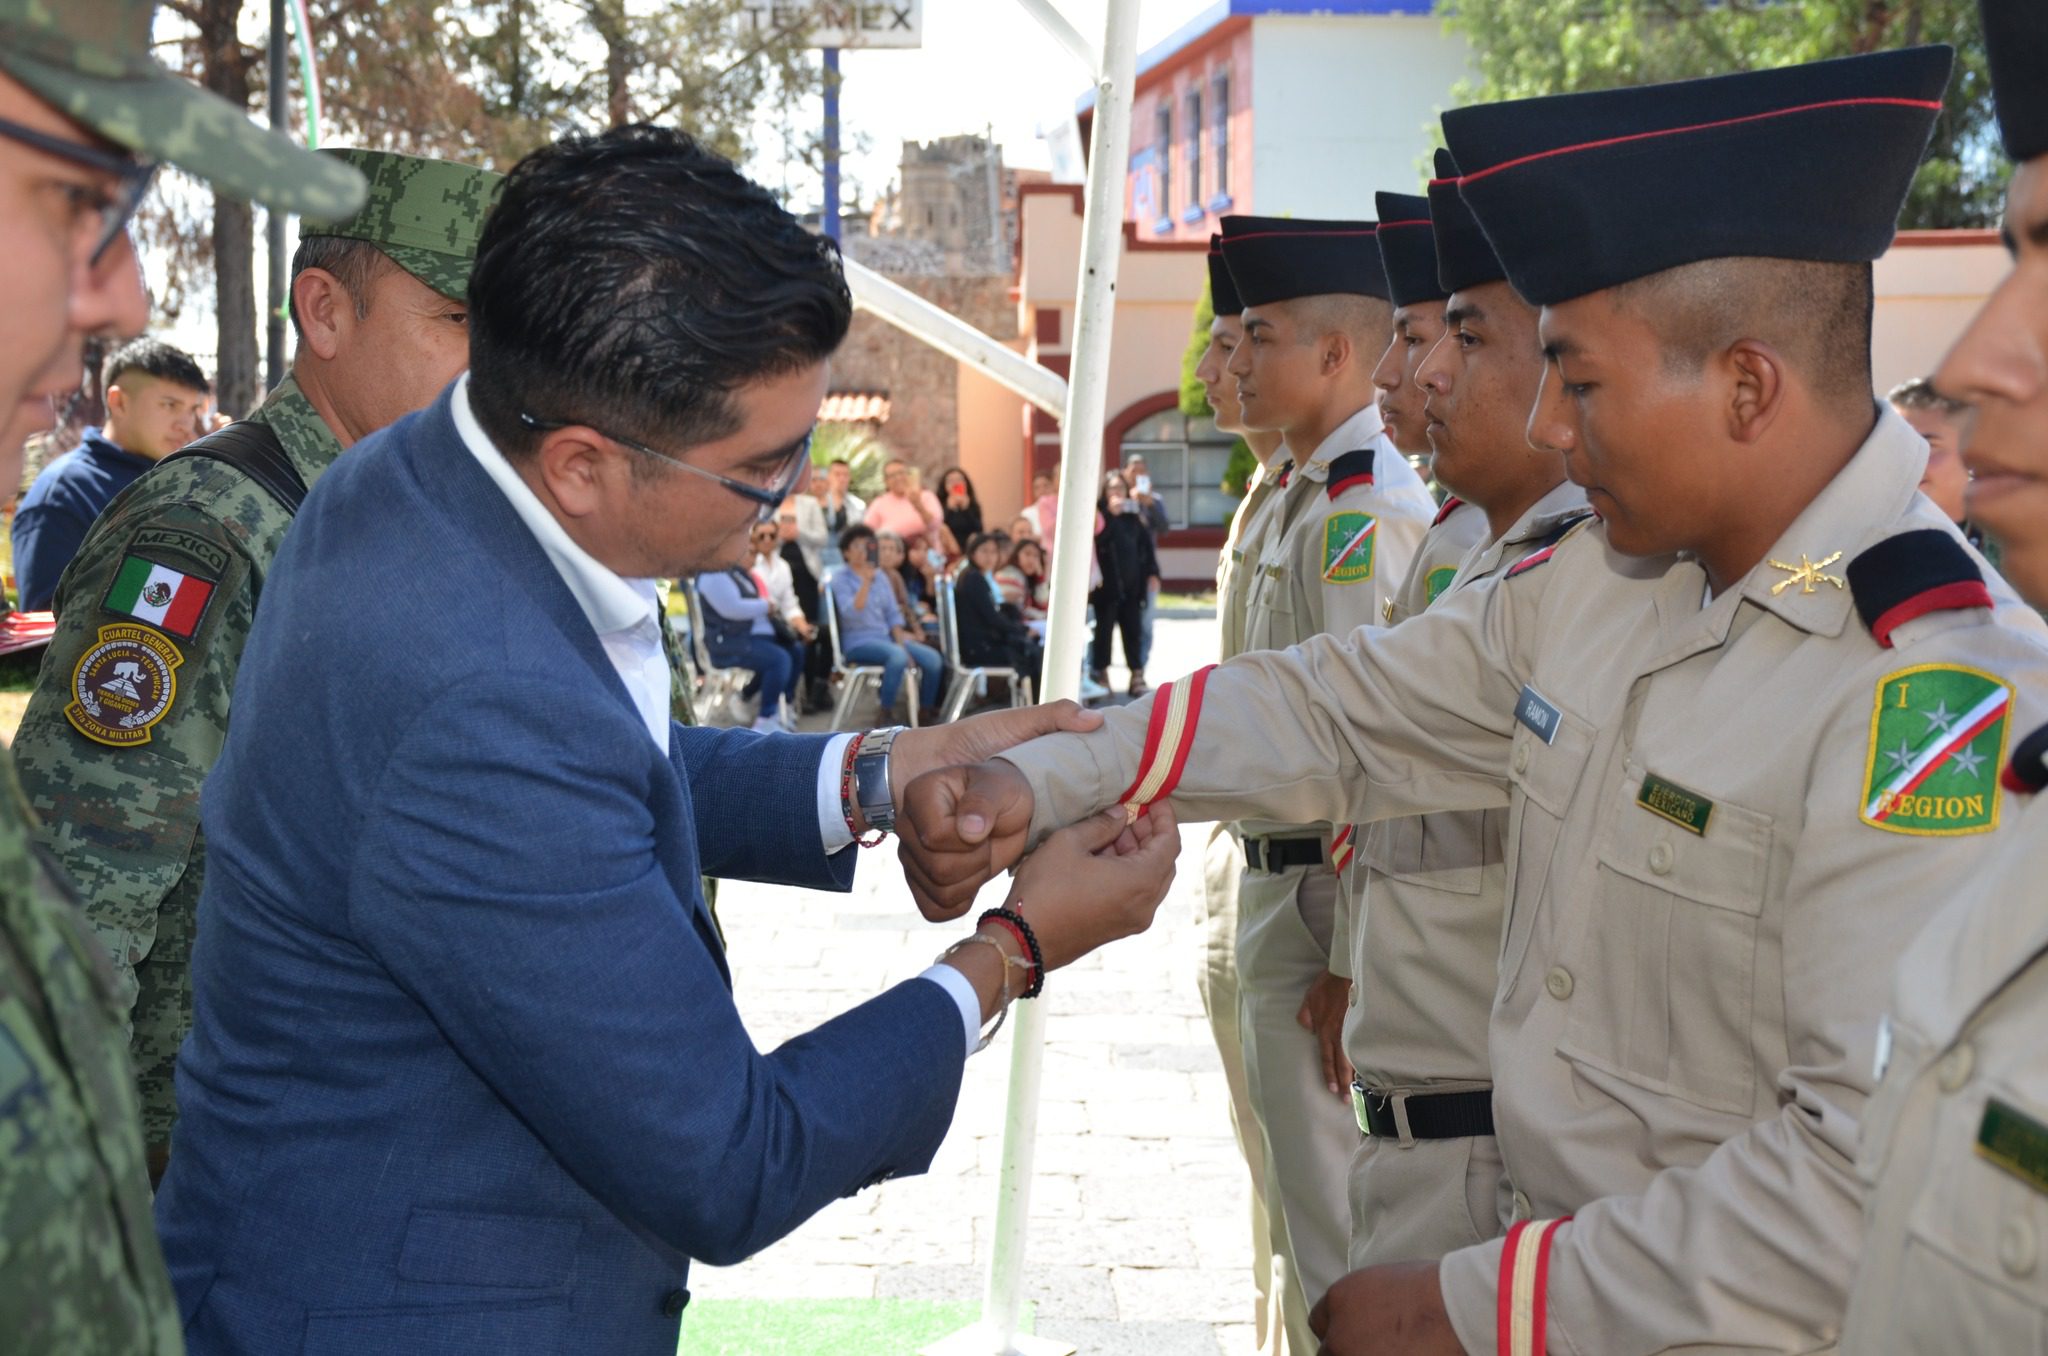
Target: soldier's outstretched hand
[{"x": 958, "y": 827}]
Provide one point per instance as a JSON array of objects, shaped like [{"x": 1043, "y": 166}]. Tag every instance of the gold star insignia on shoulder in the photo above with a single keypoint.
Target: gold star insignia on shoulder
[{"x": 1808, "y": 574}]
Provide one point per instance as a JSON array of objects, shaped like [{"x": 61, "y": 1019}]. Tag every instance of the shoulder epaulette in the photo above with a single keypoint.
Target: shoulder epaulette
[
  {"x": 2028, "y": 770},
  {"x": 1451, "y": 505},
  {"x": 1911, "y": 575},
  {"x": 1547, "y": 545},
  {"x": 1351, "y": 470}
]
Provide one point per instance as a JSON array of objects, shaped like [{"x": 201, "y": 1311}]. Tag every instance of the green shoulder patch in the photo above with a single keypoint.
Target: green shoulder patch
[
  {"x": 123, "y": 685},
  {"x": 1436, "y": 581},
  {"x": 1348, "y": 540},
  {"x": 1937, "y": 742}
]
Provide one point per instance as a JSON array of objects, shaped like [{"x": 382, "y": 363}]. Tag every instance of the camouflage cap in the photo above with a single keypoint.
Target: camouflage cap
[
  {"x": 91, "y": 59},
  {"x": 426, "y": 214}
]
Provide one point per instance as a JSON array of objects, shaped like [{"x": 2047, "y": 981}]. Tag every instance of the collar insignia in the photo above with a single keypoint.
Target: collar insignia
[{"x": 1808, "y": 574}]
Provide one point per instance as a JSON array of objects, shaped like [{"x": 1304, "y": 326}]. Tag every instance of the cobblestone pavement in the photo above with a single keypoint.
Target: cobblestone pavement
[{"x": 1139, "y": 1239}]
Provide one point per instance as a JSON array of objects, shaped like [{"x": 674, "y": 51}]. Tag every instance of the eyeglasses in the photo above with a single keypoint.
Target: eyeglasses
[
  {"x": 116, "y": 209},
  {"x": 766, "y": 499}
]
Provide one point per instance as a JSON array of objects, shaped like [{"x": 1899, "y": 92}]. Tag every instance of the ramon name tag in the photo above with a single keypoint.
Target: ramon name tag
[
  {"x": 2015, "y": 1141},
  {"x": 1539, "y": 715},
  {"x": 1668, "y": 800}
]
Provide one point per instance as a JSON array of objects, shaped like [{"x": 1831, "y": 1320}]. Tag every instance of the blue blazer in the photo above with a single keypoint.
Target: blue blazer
[{"x": 465, "y": 1074}]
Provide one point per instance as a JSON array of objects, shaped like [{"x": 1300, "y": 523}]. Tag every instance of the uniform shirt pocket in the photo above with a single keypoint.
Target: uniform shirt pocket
[
  {"x": 1443, "y": 851},
  {"x": 1977, "y": 1238},
  {"x": 1543, "y": 778},
  {"x": 1667, "y": 977}
]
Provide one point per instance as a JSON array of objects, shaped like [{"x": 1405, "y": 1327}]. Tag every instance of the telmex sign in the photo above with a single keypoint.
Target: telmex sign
[{"x": 838, "y": 23}]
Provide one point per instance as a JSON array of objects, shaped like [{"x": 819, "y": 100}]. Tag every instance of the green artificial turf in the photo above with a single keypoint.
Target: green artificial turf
[{"x": 796, "y": 1327}]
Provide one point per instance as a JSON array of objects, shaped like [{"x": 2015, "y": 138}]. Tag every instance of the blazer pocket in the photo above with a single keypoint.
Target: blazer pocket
[
  {"x": 518, "y": 1252},
  {"x": 1667, "y": 971},
  {"x": 516, "y": 1328}
]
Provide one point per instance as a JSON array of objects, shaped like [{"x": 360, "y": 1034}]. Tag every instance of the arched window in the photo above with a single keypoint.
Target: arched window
[{"x": 1185, "y": 458}]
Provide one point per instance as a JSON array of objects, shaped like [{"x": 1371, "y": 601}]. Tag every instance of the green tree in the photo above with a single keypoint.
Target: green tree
[
  {"x": 1194, "y": 402},
  {"x": 1534, "y": 47}
]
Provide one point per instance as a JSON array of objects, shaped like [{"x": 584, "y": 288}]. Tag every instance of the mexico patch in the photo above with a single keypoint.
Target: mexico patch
[
  {"x": 123, "y": 685},
  {"x": 170, "y": 600},
  {"x": 1436, "y": 581},
  {"x": 1347, "y": 547},
  {"x": 1937, "y": 741}
]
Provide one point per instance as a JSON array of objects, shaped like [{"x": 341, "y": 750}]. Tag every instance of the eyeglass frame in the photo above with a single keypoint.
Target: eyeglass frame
[
  {"x": 134, "y": 176},
  {"x": 765, "y": 501}
]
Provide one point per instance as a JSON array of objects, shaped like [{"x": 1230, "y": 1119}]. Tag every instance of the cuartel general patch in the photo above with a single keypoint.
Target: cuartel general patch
[
  {"x": 1937, "y": 742},
  {"x": 170, "y": 599},
  {"x": 1348, "y": 540},
  {"x": 123, "y": 685}
]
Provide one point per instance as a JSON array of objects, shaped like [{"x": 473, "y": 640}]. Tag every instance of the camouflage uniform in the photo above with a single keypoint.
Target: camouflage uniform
[
  {"x": 80, "y": 1270},
  {"x": 120, "y": 800}
]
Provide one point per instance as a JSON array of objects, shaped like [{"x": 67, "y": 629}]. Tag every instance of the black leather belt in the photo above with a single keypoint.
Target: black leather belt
[
  {"x": 1277, "y": 854},
  {"x": 1441, "y": 1115}
]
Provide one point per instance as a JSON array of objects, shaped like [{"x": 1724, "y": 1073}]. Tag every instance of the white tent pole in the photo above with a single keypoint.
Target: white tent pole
[
  {"x": 1068, "y": 36},
  {"x": 1073, "y": 545},
  {"x": 951, "y": 335}
]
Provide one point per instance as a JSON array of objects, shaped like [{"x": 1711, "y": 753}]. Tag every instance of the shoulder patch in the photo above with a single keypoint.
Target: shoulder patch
[
  {"x": 1548, "y": 544},
  {"x": 2028, "y": 770},
  {"x": 1911, "y": 575},
  {"x": 1451, "y": 505},
  {"x": 123, "y": 685},
  {"x": 1937, "y": 742},
  {"x": 172, "y": 598},
  {"x": 1348, "y": 541},
  {"x": 1436, "y": 581},
  {"x": 1351, "y": 470}
]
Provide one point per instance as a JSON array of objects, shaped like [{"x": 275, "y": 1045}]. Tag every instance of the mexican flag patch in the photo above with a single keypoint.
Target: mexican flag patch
[
  {"x": 167, "y": 599},
  {"x": 1937, "y": 742},
  {"x": 1347, "y": 547}
]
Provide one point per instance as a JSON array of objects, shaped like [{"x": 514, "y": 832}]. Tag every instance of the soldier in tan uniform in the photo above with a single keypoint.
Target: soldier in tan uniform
[
  {"x": 86, "y": 116},
  {"x": 1223, "y": 859},
  {"x": 1429, "y": 891},
  {"x": 1746, "y": 725},
  {"x": 168, "y": 579},
  {"x": 1955, "y": 1144},
  {"x": 1339, "y": 536}
]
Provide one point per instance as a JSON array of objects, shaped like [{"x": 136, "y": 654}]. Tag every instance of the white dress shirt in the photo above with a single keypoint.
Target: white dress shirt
[{"x": 626, "y": 615}]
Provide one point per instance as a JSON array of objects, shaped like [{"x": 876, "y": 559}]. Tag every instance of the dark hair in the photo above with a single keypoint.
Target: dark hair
[
  {"x": 154, "y": 358},
  {"x": 972, "y": 499},
  {"x": 981, "y": 539},
  {"x": 840, "y": 461},
  {"x": 1034, "y": 544},
  {"x": 355, "y": 264},
  {"x": 638, "y": 278},
  {"x": 1920, "y": 394},
  {"x": 858, "y": 532}
]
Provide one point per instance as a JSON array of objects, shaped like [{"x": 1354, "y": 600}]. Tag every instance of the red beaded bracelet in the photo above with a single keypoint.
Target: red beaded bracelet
[{"x": 846, "y": 794}]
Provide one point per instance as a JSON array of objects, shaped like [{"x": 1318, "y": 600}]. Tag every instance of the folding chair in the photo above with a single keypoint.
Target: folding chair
[
  {"x": 718, "y": 689},
  {"x": 851, "y": 679},
  {"x": 965, "y": 679}
]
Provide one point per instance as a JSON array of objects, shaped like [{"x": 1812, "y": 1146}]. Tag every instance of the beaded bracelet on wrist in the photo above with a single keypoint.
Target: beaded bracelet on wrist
[
  {"x": 846, "y": 794},
  {"x": 1015, "y": 921}
]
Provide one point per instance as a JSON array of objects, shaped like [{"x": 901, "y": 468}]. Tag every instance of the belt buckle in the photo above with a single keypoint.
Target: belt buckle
[{"x": 1367, "y": 1101}]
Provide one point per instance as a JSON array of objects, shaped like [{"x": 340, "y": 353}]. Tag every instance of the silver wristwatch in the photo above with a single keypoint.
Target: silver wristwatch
[{"x": 871, "y": 779}]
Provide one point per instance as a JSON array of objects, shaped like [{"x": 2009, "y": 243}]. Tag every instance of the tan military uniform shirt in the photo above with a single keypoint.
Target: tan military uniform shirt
[
  {"x": 1338, "y": 546},
  {"x": 1712, "y": 870},
  {"x": 1428, "y": 898},
  {"x": 1245, "y": 539},
  {"x": 1955, "y": 1143}
]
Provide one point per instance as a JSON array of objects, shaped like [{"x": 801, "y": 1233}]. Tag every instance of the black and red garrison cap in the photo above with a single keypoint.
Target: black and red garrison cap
[
  {"x": 1580, "y": 192},
  {"x": 2016, "y": 40},
  {"x": 1407, "y": 248},
  {"x": 1275, "y": 259},
  {"x": 1222, "y": 291}
]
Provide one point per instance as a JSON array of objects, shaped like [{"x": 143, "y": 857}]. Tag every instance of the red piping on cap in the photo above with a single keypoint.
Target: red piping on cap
[
  {"x": 1417, "y": 221},
  {"x": 1880, "y": 101},
  {"x": 1291, "y": 235}
]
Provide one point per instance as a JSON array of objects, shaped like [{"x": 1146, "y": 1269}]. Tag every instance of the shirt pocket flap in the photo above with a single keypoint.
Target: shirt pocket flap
[{"x": 1725, "y": 865}]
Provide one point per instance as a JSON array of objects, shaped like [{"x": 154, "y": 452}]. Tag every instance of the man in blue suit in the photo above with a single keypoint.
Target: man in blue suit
[{"x": 465, "y": 1073}]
